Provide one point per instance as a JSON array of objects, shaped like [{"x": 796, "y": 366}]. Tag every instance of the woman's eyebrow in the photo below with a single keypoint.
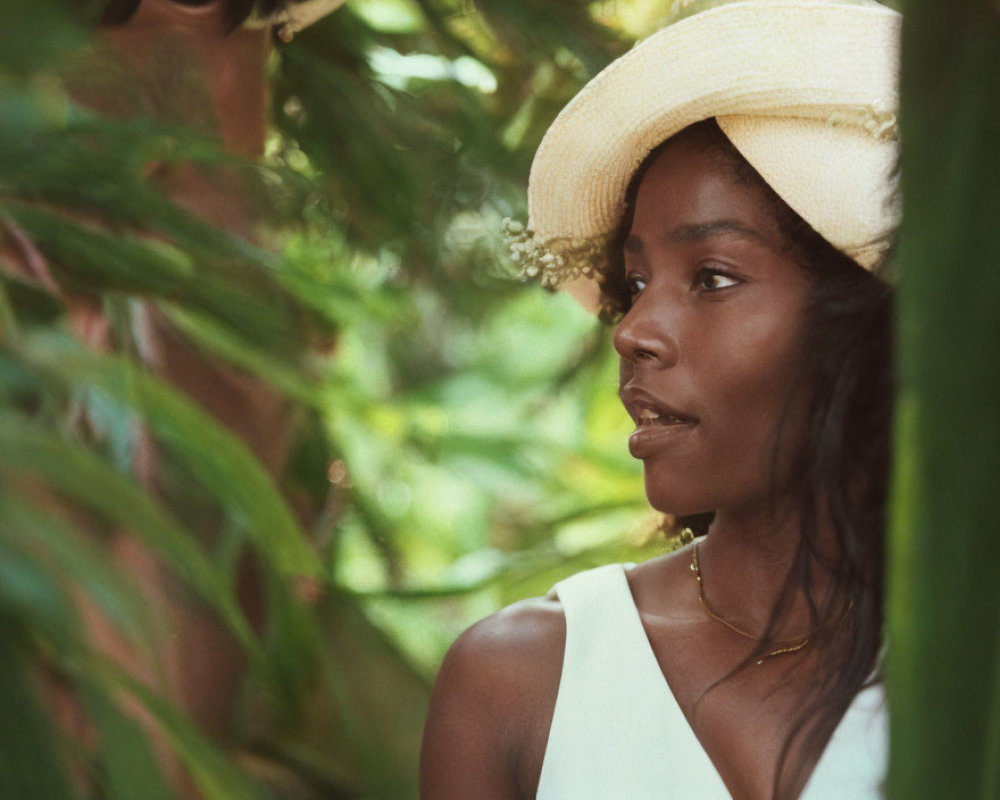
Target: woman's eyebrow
[
  {"x": 706, "y": 230},
  {"x": 685, "y": 234}
]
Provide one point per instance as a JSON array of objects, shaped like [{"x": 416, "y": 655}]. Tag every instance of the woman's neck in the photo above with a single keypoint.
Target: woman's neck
[{"x": 745, "y": 562}]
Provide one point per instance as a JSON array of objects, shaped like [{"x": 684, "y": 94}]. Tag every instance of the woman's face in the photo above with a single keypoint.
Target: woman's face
[{"x": 711, "y": 347}]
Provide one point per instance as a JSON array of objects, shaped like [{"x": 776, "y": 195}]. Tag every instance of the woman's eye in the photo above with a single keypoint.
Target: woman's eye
[
  {"x": 711, "y": 280},
  {"x": 635, "y": 284}
]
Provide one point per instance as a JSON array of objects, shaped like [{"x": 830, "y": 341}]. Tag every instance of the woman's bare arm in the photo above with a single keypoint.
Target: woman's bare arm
[{"x": 492, "y": 706}]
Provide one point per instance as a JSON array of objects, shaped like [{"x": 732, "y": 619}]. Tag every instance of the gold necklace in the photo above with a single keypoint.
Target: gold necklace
[{"x": 792, "y": 646}]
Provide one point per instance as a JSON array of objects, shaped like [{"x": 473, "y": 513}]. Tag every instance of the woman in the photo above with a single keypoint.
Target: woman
[{"x": 729, "y": 185}]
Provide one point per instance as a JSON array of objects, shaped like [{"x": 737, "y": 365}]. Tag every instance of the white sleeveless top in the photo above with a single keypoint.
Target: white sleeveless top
[{"x": 618, "y": 731}]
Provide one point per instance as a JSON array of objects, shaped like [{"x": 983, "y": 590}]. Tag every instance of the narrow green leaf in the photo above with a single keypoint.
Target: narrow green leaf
[
  {"x": 215, "y": 456},
  {"x": 39, "y": 531},
  {"x": 129, "y": 762},
  {"x": 244, "y": 296},
  {"x": 34, "y": 34},
  {"x": 30, "y": 594},
  {"x": 29, "y": 768},
  {"x": 8, "y": 318},
  {"x": 221, "y": 341},
  {"x": 216, "y": 776},
  {"x": 83, "y": 477}
]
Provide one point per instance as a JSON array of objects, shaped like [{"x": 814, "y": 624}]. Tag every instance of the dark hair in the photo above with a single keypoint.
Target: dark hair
[
  {"x": 843, "y": 470},
  {"x": 234, "y": 12}
]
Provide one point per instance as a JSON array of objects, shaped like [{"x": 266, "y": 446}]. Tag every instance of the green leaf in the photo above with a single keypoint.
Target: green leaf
[
  {"x": 90, "y": 258},
  {"x": 29, "y": 768},
  {"x": 222, "y": 342},
  {"x": 216, "y": 776},
  {"x": 30, "y": 594},
  {"x": 130, "y": 765},
  {"x": 217, "y": 458},
  {"x": 36, "y": 33},
  {"x": 943, "y": 659},
  {"x": 39, "y": 534},
  {"x": 84, "y": 478}
]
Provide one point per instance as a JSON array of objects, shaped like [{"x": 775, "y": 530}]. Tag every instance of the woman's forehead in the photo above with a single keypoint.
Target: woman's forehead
[{"x": 691, "y": 190}]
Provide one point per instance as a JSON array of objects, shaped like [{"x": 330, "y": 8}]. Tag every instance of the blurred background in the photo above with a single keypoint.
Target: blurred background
[{"x": 277, "y": 418}]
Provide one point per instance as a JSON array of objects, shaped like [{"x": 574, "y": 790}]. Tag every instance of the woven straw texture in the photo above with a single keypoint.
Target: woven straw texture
[{"x": 806, "y": 90}]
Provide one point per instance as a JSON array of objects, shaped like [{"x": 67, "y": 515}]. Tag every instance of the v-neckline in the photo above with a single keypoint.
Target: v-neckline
[{"x": 694, "y": 743}]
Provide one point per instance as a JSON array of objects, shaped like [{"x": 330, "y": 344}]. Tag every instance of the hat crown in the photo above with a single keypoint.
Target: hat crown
[{"x": 816, "y": 78}]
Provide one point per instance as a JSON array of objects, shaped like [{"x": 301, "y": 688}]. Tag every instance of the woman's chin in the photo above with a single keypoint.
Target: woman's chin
[{"x": 669, "y": 500}]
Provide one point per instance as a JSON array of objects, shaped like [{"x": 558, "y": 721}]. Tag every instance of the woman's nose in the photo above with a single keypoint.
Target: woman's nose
[{"x": 644, "y": 334}]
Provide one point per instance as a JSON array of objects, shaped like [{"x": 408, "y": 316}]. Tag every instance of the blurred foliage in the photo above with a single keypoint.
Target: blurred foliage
[{"x": 462, "y": 447}]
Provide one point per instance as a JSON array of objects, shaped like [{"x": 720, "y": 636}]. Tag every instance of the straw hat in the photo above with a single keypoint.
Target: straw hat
[{"x": 806, "y": 90}]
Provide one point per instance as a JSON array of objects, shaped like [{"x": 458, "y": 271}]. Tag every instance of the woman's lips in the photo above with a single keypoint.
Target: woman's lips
[
  {"x": 656, "y": 432},
  {"x": 658, "y": 424}
]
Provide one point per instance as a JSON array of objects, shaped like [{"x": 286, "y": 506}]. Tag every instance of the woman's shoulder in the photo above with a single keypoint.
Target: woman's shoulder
[
  {"x": 493, "y": 703},
  {"x": 519, "y": 643},
  {"x": 529, "y": 635},
  {"x": 527, "y": 639}
]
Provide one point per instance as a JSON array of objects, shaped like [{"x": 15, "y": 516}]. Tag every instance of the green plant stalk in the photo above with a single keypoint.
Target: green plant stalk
[{"x": 944, "y": 606}]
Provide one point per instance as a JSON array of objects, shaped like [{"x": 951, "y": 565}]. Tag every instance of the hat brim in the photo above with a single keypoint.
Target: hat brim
[{"x": 832, "y": 63}]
